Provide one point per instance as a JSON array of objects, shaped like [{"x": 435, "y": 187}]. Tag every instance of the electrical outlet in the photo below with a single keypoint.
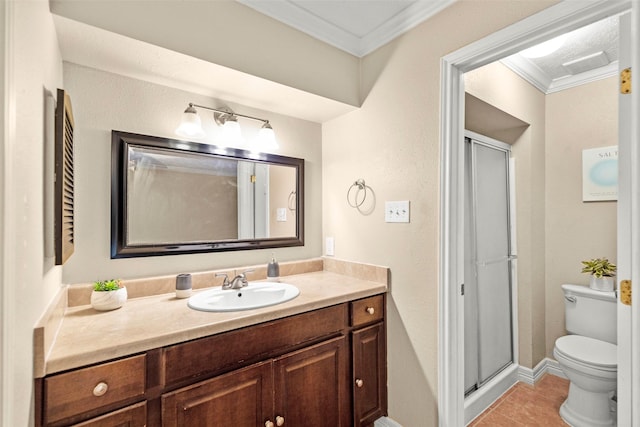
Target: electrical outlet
[
  {"x": 281, "y": 214},
  {"x": 396, "y": 211},
  {"x": 329, "y": 248}
]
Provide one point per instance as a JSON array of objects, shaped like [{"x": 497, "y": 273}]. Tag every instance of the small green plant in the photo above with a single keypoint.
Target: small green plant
[
  {"x": 107, "y": 285},
  {"x": 599, "y": 267}
]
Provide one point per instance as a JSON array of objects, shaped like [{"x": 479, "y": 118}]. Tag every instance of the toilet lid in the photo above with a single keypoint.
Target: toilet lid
[{"x": 588, "y": 350}]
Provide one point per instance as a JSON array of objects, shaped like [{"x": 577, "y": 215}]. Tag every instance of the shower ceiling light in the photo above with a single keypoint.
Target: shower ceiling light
[
  {"x": 191, "y": 127},
  {"x": 545, "y": 48}
]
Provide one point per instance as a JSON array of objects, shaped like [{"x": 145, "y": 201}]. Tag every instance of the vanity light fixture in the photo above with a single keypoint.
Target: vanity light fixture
[{"x": 191, "y": 127}]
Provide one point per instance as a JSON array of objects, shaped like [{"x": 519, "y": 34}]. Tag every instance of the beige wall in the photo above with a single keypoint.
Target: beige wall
[
  {"x": 393, "y": 143},
  {"x": 282, "y": 181},
  {"x": 168, "y": 205},
  {"x": 104, "y": 101},
  {"x": 33, "y": 72},
  {"x": 230, "y": 34},
  {"x": 500, "y": 87},
  {"x": 571, "y": 120},
  {"x": 577, "y": 119}
]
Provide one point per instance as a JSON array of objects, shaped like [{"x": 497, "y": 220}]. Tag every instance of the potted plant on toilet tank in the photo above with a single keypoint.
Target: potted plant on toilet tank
[
  {"x": 602, "y": 273},
  {"x": 108, "y": 295}
]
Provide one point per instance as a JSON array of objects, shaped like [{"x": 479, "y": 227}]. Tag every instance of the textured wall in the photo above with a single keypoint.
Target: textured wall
[
  {"x": 573, "y": 120},
  {"x": 228, "y": 33},
  {"x": 577, "y": 119},
  {"x": 104, "y": 101},
  {"x": 393, "y": 143},
  {"x": 33, "y": 72},
  {"x": 500, "y": 87}
]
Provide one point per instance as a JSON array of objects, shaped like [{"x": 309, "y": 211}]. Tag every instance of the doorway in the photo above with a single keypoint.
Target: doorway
[{"x": 547, "y": 24}]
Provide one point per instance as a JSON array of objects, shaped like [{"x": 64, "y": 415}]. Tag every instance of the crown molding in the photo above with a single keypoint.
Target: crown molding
[
  {"x": 535, "y": 76},
  {"x": 400, "y": 23},
  {"x": 290, "y": 14}
]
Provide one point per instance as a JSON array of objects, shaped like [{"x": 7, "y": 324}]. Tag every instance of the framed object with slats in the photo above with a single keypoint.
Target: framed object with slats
[{"x": 64, "y": 193}]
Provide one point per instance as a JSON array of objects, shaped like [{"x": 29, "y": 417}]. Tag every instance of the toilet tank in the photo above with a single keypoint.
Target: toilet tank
[{"x": 590, "y": 313}]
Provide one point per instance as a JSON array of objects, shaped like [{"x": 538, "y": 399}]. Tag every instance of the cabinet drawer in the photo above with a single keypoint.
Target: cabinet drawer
[
  {"x": 131, "y": 416},
  {"x": 234, "y": 349},
  {"x": 87, "y": 389},
  {"x": 367, "y": 310}
]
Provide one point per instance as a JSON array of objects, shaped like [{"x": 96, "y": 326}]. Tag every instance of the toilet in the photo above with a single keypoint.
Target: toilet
[{"x": 588, "y": 356}]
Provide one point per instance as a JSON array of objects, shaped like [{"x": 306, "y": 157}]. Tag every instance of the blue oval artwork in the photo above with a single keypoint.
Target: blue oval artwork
[{"x": 605, "y": 173}]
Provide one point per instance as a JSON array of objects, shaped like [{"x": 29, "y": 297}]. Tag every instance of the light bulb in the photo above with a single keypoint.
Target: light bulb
[
  {"x": 190, "y": 125},
  {"x": 267, "y": 138}
]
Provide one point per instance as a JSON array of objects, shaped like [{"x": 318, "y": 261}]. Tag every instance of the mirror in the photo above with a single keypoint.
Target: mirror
[{"x": 176, "y": 197}]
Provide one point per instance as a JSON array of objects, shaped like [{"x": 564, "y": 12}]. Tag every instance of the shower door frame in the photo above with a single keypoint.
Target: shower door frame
[{"x": 494, "y": 144}]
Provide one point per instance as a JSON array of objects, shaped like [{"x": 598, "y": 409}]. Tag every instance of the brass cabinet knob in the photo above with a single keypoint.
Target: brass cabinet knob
[
  {"x": 359, "y": 383},
  {"x": 279, "y": 421},
  {"x": 269, "y": 423},
  {"x": 100, "y": 389},
  {"x": 371, "y": 310}
]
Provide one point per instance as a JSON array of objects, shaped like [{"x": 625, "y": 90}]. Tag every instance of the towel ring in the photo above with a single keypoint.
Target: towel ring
[
  {"x": 361, "y": 187},
  {"x": 291, "y": 202}
]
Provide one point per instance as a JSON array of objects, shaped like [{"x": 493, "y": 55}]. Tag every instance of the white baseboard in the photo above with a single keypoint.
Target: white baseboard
[
  {"x": 546, "y": 366},
  {"x": 386, "y": 422}
]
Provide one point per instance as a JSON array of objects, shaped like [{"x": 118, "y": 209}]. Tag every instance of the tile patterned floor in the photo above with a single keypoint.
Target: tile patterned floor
[{"x": 526, "y": 405}]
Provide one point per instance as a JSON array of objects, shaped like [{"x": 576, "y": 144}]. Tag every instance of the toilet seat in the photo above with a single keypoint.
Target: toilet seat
[{"x": 588, "y": 351}]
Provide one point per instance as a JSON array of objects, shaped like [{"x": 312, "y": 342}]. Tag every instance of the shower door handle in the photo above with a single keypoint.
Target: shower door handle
[{"x": 505, "y": 258}]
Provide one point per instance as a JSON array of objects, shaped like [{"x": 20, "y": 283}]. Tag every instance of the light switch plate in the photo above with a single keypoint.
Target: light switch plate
[
  {"x": 396, "y": 211},
  {"x": 281, "y": 214}
]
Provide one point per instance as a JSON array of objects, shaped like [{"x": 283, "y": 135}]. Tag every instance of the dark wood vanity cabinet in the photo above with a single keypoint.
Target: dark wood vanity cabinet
[
  {"x": 369, "y": 374},
  {"x": 369, "y": 360},
  {"x": 323, "y": 367},
  {"x": 240, "y": 398},
  {"x": 308, "y": 387},
  {"x": 312, "y": 386}
]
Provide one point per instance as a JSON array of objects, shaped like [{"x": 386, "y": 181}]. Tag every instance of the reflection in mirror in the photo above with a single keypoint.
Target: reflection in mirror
[{"x": 183, "y": 197}]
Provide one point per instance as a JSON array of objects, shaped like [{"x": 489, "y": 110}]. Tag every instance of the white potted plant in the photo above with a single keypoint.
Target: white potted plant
[
  {"x": 108, "y": 295},
  {"x": 602, "y": 273}
]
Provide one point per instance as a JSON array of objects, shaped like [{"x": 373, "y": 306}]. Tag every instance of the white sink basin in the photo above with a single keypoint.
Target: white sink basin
[{"x": 255, "y": 295}]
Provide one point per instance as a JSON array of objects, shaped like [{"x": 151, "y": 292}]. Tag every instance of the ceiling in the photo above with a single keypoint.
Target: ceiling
[
  {"x": 589, "y": 53},
  {"x": 355, "y": 26},
  {"x": 361, "y": 26},
  {"x": 104, "y": 50}
]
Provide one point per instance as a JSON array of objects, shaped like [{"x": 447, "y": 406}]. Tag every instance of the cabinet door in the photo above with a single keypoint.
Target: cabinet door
[
  {"x": 369, "y": 372},
  {"x": 132, "y": 416},
  {"x": 312, "y": 386},
  {"x": 241, "y": 398}
]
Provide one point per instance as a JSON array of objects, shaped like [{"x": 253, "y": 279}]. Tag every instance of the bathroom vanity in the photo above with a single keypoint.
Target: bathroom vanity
[{"x": 319, "y": 359}]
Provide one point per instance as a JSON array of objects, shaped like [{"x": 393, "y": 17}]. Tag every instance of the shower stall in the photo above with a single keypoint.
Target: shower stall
[{"x": 489, "y": 262}]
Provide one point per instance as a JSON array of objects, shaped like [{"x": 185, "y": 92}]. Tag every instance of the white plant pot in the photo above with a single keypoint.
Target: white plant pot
[
  {"x": 604, "y": 283},
  {"x": 109, "y": 300}
]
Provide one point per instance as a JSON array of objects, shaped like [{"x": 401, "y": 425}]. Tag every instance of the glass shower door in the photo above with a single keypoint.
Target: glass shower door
[{"x": 487, "y": 300}]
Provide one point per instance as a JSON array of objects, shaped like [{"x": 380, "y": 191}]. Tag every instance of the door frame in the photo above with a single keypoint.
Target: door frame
[{"x": 558, "y": 19}]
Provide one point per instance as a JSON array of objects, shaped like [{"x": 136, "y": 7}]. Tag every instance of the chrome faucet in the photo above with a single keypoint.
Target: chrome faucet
[{"x": 238, "y": 282}]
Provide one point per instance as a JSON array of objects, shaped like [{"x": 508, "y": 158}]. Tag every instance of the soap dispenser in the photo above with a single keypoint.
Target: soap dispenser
[{"x": 273, "y": 270}]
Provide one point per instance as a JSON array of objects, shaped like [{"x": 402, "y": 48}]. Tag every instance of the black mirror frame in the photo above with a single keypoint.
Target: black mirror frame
[{"x": 120, "y": 142}]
